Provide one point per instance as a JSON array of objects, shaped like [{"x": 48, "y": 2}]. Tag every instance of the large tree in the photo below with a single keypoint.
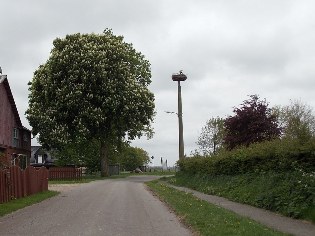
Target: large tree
[
  {"x": 252, "y": 122},
  {"x": 93, "y": 86},
  {"x": 211, "y": 136}
]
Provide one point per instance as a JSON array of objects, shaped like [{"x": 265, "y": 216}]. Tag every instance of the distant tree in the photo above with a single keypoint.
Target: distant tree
[
  {"x": 211, "y": 136},
  {"x": 132, "y": 157},
  {"x": 88, "y": 155},
  {"x": 253, "y": 122},
  {"x": 296, "y": 120},
  {"x": 93, "y": 86}
]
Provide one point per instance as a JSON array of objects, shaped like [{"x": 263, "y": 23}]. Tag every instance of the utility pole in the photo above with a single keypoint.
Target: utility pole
[{"x": 180, "y": 77}]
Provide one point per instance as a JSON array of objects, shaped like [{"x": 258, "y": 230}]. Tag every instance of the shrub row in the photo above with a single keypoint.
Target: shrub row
[
  {"x": 276, "y": 155},
  {"x": 289, "y": 193}
]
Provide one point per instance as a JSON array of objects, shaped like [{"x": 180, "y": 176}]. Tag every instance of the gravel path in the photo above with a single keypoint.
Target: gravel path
[
  {"x": 105, "y": 207},
  {"x": 62, "y": 187}
]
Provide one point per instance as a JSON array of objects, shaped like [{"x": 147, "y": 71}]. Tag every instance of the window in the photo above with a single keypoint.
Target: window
[
  {"x": 15, "y": 133},
  {"x": 39, "y": 159},
  {"x": 15, "y": 138},
  {"x": 25, "y": 137},
  {"x": 23, "y": 161}
]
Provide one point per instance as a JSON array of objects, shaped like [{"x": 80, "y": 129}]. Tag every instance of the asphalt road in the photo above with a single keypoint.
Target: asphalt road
[{"x": 105, "y": 207}]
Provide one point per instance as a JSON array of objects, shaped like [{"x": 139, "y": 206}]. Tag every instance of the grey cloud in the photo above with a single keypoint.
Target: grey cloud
[{"x": 228, "y": 49}]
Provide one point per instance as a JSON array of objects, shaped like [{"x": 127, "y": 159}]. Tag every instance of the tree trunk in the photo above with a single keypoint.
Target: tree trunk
[{"x": 104, "y": 159}]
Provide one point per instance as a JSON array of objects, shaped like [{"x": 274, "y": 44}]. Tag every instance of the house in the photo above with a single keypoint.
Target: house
[
  {"x": 41, "y": 157},
  {"x": 15, "y": 140}
]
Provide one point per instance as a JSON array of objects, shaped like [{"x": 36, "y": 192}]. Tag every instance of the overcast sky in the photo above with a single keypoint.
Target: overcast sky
[{"x": 228, "y": 49}]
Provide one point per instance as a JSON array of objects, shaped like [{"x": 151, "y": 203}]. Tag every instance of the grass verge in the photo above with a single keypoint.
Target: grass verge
[
  {"x": 205, "y": 218},
  {"x": 8, "y": 207},
  {"x": 290, "y": 193}
]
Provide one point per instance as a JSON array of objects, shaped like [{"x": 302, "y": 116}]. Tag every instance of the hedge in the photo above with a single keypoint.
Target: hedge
[{"x": 275, "y": 155}]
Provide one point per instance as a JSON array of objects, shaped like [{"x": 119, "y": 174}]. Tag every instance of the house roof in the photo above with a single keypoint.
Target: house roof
[
  {"x": 5, "y": 82},
  {"x": 34, "y": 149},
  {"x": 38, "y": 150}
]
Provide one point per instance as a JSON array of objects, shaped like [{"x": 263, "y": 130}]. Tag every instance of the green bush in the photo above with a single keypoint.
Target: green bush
[
  {"x": 289, "y": 193},
  {"x": 277, "y": 175},
  {"x": 276, "y": 155}
]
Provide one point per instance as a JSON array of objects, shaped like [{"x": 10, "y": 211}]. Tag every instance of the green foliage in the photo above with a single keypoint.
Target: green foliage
[
  {"x": 289, "y": 193},
  {"x": 297, "y": 121},
  {"x": 253, "y": 122},
  {"x": 275, "y": 155},
  {"x": 87, "y": 154},
  {"x": 132, "y": 157},
  {"x": 211, "y": 136},
  {"x": 93, "y": 86},
  {"x": 205, "y": 218},
  {"x": 277, "y": 175}
]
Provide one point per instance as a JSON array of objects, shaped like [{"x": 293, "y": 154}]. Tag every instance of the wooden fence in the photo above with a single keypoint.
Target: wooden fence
[
  {"x": 16, "y": 183},
  {"x": 65, "y": 173}
]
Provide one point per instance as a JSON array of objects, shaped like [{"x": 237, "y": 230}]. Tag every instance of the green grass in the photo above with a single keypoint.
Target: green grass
[
  {"x": 160, "y": 173},
  {"x": 205, "y": 218},
  {"x": 8, "y": 207},
  {"x": 291, "y": 193}
]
